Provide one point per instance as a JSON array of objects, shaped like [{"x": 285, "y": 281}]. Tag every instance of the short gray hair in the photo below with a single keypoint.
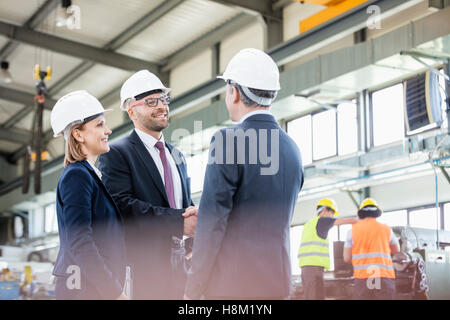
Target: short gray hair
[{"x": 269, "y": 94}]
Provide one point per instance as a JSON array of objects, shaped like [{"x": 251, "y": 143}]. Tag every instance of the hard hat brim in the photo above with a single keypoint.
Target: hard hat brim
[{"x": 61, "y": 132}]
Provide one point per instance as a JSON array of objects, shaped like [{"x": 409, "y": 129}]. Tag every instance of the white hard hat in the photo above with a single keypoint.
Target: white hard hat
[
  {"x": 140, "y": 82},
  {"x": 74, "y": 107},
  {"x": 253, "y": 68}
]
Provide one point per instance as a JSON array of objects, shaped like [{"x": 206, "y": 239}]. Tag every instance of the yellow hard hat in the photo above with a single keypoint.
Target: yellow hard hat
[
  {"x": 368, "y": 202},
  {"x": 328, "y": 203}
]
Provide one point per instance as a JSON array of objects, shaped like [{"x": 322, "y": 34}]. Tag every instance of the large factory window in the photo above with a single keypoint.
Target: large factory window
[
  {"x": 394, "y": 218},
  {"x": 36, "y": 222},
  {"x": 332, "y": 236},
  {"x": 347, "y": 128},
  {"x": 300, "y": 131},
  {"x": 343, "y": 230},
  {"x": 388, "y": 118},
  {"x": 296, "y": 238},
  {"x": 324, "y": 134},
  {"x": 51, "y": 222},
  {"x": 444, "y": 102},
  {"x": 196, "y": 166},
  {"x": 424, "y": 218}
]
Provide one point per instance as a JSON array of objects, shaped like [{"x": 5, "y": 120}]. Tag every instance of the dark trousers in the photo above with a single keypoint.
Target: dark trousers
[
  {"x": 364, "y": 291},
  {"x": 312, "y": 283}
]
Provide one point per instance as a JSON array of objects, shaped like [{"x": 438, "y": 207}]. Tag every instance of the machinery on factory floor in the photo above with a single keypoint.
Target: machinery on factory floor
[{"x": 422, "y": 267}]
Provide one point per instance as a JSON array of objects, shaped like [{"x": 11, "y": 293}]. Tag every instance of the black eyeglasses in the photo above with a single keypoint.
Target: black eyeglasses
[{"x": 153, "y": 102}]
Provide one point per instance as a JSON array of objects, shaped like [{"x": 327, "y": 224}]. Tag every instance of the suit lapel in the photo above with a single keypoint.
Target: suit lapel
[
  {"x": 149, "y": 164},
  {"x": 181, "y": 172},
  {"x": 100, "y": 183}
]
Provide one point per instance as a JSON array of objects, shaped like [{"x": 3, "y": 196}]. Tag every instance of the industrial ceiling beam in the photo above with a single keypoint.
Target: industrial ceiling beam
[
  {"x": 22, "y": 97},
  {"x": 16, "y": 117},
  {"x": 39, "y": 15},
  {"x": 207, "y": 41},
  {"x": 75, "y": 49},
  {"x": 114, "y": 44},
  {"x": 263, "y": 7},
  {"x": 15, "y": 135},
  {"x": 280, "y": 4},
  {"x": 335, "y": 29},
  {"x": 125, "y": 36},
  {"x": 283, "y": 53}
]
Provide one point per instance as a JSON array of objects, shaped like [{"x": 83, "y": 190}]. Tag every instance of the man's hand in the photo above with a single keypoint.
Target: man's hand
[
  {"x": 190, "y": 211},
  {"x": 189, "y": 225},
  {"x": 341, "y": 221},
  {"x": 123, "y": 297}
]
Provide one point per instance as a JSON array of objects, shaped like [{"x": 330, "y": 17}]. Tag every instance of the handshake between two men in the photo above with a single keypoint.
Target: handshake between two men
[{"x": 190, "y": 221}]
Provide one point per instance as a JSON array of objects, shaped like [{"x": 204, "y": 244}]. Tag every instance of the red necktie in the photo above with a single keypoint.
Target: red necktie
[{"x": 168, "y": 182}]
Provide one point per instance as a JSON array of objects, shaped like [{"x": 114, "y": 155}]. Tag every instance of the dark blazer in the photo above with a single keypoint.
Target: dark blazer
[
  {"x": 91, "y": 236},
  {"x": 241, "y": 244},
  {"x": 133, "y": 179}
]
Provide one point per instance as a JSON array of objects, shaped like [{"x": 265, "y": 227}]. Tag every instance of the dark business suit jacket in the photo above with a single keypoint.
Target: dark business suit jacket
[
  {"x": 91, "y": 236},
  {"x": 241, "y": 244},
  {"x": 133, "y": 179}
]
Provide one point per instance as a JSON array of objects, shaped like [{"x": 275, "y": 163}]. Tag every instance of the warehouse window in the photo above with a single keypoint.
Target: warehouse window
[
  {"x": 196, "y": 166},
  {"x": 447, "y": 216},
  {"x": 424, "y": 218},
  {"x": 332, "y": 237},
  {"x": 300, "y": 131},
  {"x": 388, "y": 115},
  {"x": 347, "y": 128},
  {"x": 444, "y": 97},
  {"x": 296, "y": 238},
  {"x": 343, "y": 230},
  {"x": 324, "y": 134},
  {"x": 37, "y": 222},
  {"x": 51, "y": 222},
  {"x": 394, "y": 218}
]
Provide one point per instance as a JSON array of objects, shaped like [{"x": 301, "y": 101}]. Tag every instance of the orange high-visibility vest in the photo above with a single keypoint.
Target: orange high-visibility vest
[{"x": 371, "y": 251}]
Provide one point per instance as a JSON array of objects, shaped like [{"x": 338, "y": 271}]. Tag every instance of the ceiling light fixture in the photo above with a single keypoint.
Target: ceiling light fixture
[
  {"x": 5, "y": 75},
  {"x": 62, "y": 14}
]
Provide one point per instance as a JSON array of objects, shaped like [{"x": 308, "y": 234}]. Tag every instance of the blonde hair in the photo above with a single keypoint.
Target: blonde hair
[{"x": 73, "y": 147}]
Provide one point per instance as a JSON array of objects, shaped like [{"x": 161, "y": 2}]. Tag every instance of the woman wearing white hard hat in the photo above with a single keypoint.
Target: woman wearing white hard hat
[{"x": 91, "y": 259}]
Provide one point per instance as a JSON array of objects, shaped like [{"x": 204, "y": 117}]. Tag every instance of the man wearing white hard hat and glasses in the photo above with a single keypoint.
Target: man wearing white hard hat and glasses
[
  {"x": 91, "y": 259},
  {"x": 148, "y": 180},
  {"x": 253, "y": 178}
]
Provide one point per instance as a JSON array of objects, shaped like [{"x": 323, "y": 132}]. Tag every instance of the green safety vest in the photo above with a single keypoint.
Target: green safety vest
[{"x": 313, "y": 251}]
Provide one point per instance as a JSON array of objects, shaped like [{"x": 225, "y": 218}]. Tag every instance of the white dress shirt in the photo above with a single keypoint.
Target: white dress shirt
[
  {"x": 99, "y": 174},
  {"x": 149, "y": 143}
]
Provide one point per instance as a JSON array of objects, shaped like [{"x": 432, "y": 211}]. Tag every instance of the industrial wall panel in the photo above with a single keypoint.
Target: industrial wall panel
[
  {"x": 297, "y": 79},
  {"x": 250, "y": 37},
  {"x": 342, "y": 61},
  {"x": 191, "y": 73},
  {"x": 432, "y": 27},
  {"x": 393, "y": 42}
]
